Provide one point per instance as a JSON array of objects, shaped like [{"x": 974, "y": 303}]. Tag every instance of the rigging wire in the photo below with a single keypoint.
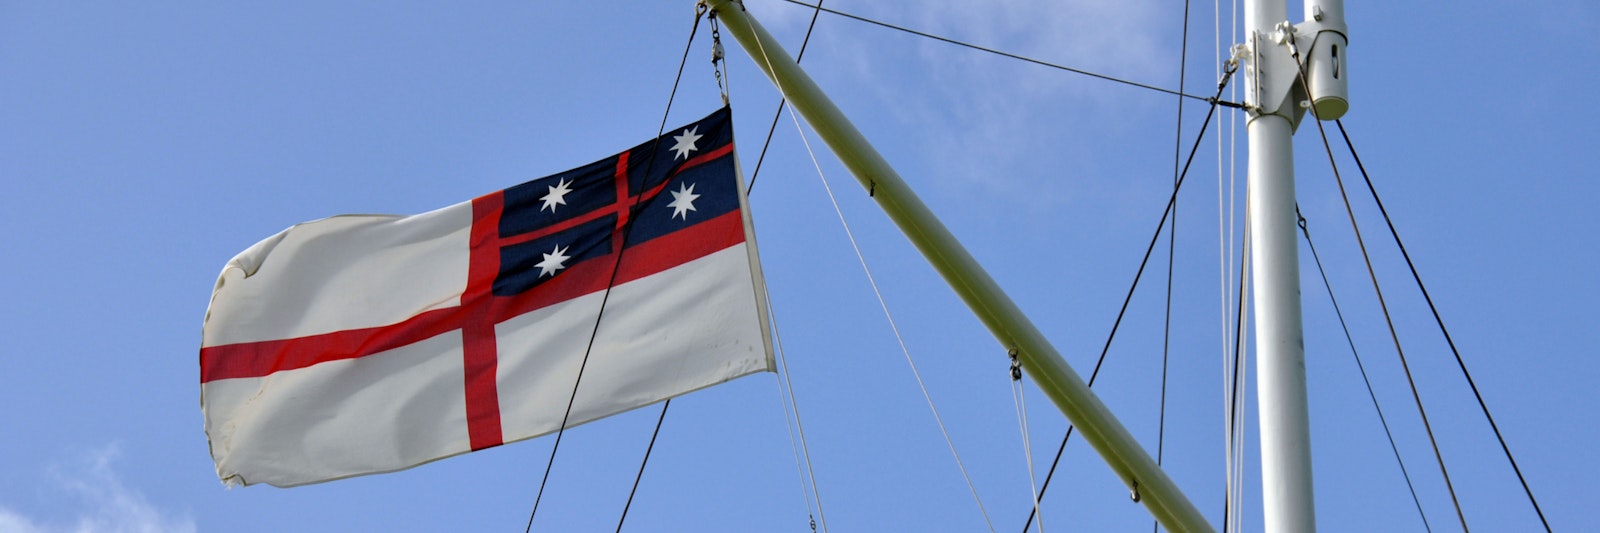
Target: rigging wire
[
  {"x": 640, "y": 475},
  {"x": 626, "y": 228},
  {"x": 1172, "y": 249},
  {"x": 881, "y": 303},
  {"x": 1224, "y": 216},
  {"x": 892, "y": 327},
  {"x": 1008, "y": 54},
  {"x": 719, "y": 68},
  {"x": 1438, "y": 319},
  {"x": 1382, "y": 304},
  {"x": 782, "y": 100},
  {"x": 1234, "y": 442},
  {"x": 1381, "y": 420},
  {"x": 785, "y": 383},
  {"x": 1171, "y": 201},
  {"x": 1222, "y": 232},
  {"x": 724, "y": 86},
  {"x": 1019, "y": 397},
  {"x": 1234, "y": 374},
  {"x": 1238, "y": 334}
]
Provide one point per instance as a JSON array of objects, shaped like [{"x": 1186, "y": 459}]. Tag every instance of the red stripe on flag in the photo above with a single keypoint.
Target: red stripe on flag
[
  {"x": 705, "y": 157},
  {"x": 479, "y": 360},
  {"x": 258, "y": 359},
  {"x": 641, "y": 260},
  {"x": 624, "y": 205},
  {"x": 557, "y": 227},
  {"x": 667, "y": 251}
]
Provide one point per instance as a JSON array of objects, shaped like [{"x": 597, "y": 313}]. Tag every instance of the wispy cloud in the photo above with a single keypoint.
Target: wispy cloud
[
  {"x": 987, "y": 121},
  {"x": 103, "y": 503}
]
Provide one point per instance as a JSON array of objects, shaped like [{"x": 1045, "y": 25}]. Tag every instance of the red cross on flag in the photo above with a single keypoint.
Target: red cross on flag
[{"x": 364, "y": 344}]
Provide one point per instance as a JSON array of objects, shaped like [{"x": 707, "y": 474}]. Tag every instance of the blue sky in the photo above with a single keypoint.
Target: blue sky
[{"x": 143, "y": 145}]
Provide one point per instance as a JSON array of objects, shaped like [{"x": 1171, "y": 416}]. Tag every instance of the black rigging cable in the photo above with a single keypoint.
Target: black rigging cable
[
  {"x": 1438, "y": 319},
  {"x": 626, "y": 228},
  {"x": 1172, "y": 252},
  {"x": 1235, "y": 401},
  {"x": 1381, "y": 420},
  {"x": 1372, "y": 273},
  {"x": 1213, "y": 100},
  {"x": 1171, "y": 201},
  {"x": 781, "y": 100},
  {"x": 640, "y": 475}
]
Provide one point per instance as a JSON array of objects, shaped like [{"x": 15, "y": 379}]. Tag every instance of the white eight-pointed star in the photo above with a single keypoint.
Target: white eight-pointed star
[
  {"x": 553, "y": 261},
  {"x": 683, "y": 201},
  {"x": 686, "y": 142},
  {"x": 557, "y": 195}
]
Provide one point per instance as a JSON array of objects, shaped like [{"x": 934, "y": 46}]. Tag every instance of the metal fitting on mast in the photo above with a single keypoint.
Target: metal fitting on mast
[
  {"x": 1319, "y": 44},
  {"x": 1274, "y": 87}
]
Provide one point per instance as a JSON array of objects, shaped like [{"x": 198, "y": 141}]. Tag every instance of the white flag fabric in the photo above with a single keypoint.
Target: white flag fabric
[{"x": 365, "y": 344}]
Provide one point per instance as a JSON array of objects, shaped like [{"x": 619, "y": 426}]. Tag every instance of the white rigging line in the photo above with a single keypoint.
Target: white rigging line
[
  {"x": 1233, "y": 169},
  {"x": 1234, "y": 371},
  {"x": 1019, "y": 397},
  {"x": 940, "y": 420},
  {"x": 786, "y": 385},
  {"x": 808, "y": 475},
  {"x": 1242, "y": 367},
  {"x": 892, "y": 327},
  {"x": 1224, "y": 249},
  {"x": 1236, "y": 389}
]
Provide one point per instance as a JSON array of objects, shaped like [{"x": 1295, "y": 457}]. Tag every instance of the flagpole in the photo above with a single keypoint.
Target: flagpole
[
  {"x": 1010, "y": 326},
  {"x": 1276, "y": 83}
]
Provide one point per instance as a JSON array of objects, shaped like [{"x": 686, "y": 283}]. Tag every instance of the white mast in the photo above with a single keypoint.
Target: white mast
[{"x": 1274, "y": 97}]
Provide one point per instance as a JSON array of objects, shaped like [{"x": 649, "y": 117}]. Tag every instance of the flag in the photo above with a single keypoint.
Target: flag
[{"x": 364, "y": 344}]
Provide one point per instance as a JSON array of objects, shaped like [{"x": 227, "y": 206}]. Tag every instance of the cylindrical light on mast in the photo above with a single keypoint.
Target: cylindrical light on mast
[{"x": 1326, "y": 71}]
